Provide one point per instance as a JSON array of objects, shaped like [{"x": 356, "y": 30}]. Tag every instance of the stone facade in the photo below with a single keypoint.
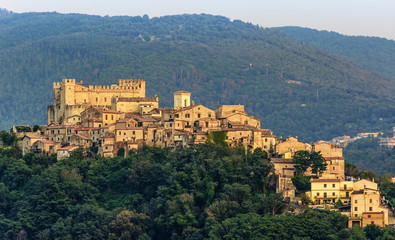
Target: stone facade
[{"x": 71, "y": 97}]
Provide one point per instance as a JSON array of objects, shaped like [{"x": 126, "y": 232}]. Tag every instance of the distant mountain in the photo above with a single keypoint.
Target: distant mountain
[
  {"x": 295, "y": 89},
  {"x": 373, "y": 53}
]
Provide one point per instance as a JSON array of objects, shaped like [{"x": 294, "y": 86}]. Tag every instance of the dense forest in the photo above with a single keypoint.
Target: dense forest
[
  {"x": 373, "y": 53},
  {"x": 203, "y": 192},
  {"x": 366, "y": 154},
  {"x": 295, "y": 89}
]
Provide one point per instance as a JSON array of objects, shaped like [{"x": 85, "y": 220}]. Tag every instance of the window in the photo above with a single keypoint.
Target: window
[
  {"x": 198, "y": 115},
  {"x": 133, "y": 132},
  {"x": 370, "y": 209},
  {"x": 333, "y": 168},
  {"x": 209, "y": 115},
  {"x": 97, "y": 99},
  {"x": 120, "y": 133},
  {"x": 370, "y": 200},
  {"x": 177, "y": 115},
  {"x": 372, "y": 222},
  {"x": 356, "y": 215},
  {"x": 333, "y": 185},
  {"x": 124, "y": 133},
  {"x": 318, "y": 194},
  {"x": 369, "y": 216},
  {"x": 112, "y": 117},
  {"x": 333, "y": 194},
  {"x": 355, "y": 208},
  {"x": 345, "y": 186},
  {"x": 356, "y": 201},
  {"x": 106, "y": 117},
  {"x": 246, "y": 122},
  {"x": 171, "y": 125},
  {"x": 265, "y": 139},
  {"x": 325, "y": 195},
  {"x": 203, "y": 138},
  {"x": 324, "y": 185}
]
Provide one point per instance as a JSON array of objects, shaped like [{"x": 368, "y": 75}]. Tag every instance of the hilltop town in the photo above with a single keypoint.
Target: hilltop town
[{"x": 120, "y": 120}]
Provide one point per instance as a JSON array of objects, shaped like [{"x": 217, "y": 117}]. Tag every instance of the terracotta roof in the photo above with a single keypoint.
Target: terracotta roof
[
  {"x": 68, "y": 148},
  {"x": 46, "y": 141},
  {"x": 83, "y": 137},
  {"x": 187, "y": 108},
  {"x": 141, "y": 119},
  {"x": 109, "y": 125},
  {"x": 325, "y": 180},
  {"x": 129, "y": 128},
  {"x": 181, "y": 92}
]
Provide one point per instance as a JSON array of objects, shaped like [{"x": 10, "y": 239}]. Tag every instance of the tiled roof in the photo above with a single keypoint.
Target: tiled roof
[
  {"x": 129, "y": 128},
  {"x": 68, "y": 148},
  {"x": 46, "y": 141},
  {"x": 182, "y": 92},
  {"x": 325, "y": 180},
  {"x": 141, "y": 119},
  {"x": 187, "y": 108}
]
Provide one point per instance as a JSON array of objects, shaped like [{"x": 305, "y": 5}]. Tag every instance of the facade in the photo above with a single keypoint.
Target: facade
[
  {"x": 71, "y": 97},
  {"x": 366, "y": 205}
]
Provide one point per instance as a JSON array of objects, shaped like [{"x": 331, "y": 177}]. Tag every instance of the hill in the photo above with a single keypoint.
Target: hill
[
  {"x": 366, "y": 154},
  {"x": 373, "y": 53},
  {"x": 295, "y": 89}
]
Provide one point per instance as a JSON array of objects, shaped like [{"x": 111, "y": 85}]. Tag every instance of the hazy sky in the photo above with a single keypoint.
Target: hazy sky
[{"x": 350, "y": 17}]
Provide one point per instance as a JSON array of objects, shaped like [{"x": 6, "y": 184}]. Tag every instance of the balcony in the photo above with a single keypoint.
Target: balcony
[
  {"x": 346, "y": 189},
  {"x": 326, "y": 197}
]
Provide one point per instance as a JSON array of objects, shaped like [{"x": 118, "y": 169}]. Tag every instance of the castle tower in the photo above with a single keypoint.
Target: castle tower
[{"x": 182, "y": 99}]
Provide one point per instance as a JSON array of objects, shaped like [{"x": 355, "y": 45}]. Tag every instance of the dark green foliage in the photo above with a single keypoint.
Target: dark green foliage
[
  {"x": 302, "y": 183},
  {"x": 309, "y": 225},
  {"x": 373, "y": 53},
  {"x": 121, "y": 152},
  {"x": 205, "y": 191},
  {"x": 304, "y": 160},
  {"x": 7, "y": 138},
  {"x": 218, "y": 138},
  {"x": 218, "y": 60},
  {"x": 366, "y": 154}
]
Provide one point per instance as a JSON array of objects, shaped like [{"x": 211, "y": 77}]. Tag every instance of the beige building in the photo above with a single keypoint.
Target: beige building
[
  {"x": 45, "y": 147},
  {"x": 65, "y": 152},
  {"x": 291, "y": 145},
  {"x": 182, "y": 99},
  {"x": 284, "y": 172},
  {"x": 366, "y": 205},
  {"x": 71, "y": 98},
  {"x": 140, "y": 105}
]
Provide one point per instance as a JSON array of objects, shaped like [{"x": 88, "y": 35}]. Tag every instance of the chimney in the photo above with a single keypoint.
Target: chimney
[{"x": 193, "y": 103}]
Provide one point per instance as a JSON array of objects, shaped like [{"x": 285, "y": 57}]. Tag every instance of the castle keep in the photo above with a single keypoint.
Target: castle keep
[{"x": 71, "y": 98}]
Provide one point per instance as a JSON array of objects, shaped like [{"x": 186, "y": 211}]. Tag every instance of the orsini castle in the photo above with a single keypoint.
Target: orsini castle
[{"x": 108, "y": 119}]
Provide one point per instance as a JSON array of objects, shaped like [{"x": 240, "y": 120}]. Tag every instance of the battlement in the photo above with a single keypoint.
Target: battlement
[
  {"x": 131, "y": 82},
  {"x": 68, "y": 81}
]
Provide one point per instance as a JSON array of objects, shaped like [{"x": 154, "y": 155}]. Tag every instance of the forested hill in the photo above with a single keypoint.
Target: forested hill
[
  {"x": 373, "y": 53},
  {"x": 295, "y": 89}
]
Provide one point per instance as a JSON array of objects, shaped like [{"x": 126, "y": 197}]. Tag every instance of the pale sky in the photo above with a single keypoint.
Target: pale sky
[{"x": 350, "y": 17}]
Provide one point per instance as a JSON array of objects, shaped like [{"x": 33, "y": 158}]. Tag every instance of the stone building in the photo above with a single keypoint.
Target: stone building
[{"x": 71, "y": 97}]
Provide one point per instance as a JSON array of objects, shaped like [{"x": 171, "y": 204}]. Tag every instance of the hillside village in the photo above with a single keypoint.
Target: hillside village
[{"x": 121, "y": 119}]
